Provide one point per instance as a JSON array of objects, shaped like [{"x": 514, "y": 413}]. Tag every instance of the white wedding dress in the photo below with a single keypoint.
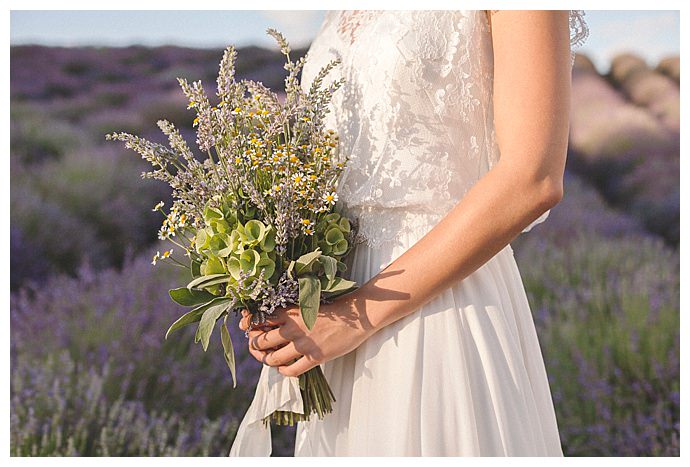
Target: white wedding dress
[{"x": 463, "y": 375}]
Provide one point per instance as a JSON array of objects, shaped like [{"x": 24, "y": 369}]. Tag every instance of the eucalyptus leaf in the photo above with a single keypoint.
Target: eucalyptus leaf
[
  {"x": 340, "y": 247},
  {"x": 309, "y": 297},
  {"x": 333, "y": 236},
  {"x": 234, "y": 267},
  {"x": 332, "y": 217},
  {"x": 268, "y": 243},
  {"x": 344, "y": 225},
  {"x": 249, "y": 259},
  {"x": 211, "y": 213},
  {"x": 187, "y": 297},
  {"x": 228, "y": 350},
  {"x": 212, "y": 265}
]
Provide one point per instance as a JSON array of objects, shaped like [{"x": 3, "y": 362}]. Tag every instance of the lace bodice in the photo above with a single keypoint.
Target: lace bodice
[{"x": 415, "y": 114}]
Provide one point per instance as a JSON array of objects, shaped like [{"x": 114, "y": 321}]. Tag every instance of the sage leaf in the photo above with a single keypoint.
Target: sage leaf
[
  {"x": 309, "y": 297},
  {"x": 228, "y": 350},
  {"x": 201, "y": 280},
  {"x": 330, "y": 268},
  {"x": 207, "y": 323},
  {"x": 187, "y": 297},
  {"x": 304, "y": 262},
  {"x": 194, "y": 315}
]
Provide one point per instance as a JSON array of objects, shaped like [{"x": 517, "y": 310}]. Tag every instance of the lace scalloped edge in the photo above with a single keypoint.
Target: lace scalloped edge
[{"x": 579, "y": 30}]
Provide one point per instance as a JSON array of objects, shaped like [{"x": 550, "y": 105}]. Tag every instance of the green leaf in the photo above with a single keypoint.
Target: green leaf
[
  {"x": 234, "y": 267},
  {"x": 269, "y": 241},
  {"x": 249, "y": 259},
  {"x": 220, "y": 280},
  {"x": 188, "y": 318},
  {"x": 330, "y": 268},
  {"x": 194, "y": 315},
  {"x": 199, "y": 281},
  {"x": 196, "y": 268},
  {"x": 228, "y": 350},
  {"x": 211, "y": 213},
  {"x": 212, "y": 265},
  {"x": 332, "y": 217},
  {"x": 333, "y": 236},
  {"x": 344, "y": 225},
  {"x": 303, "y": 263},
  {"x": 325, "y": 247},
  {"x": 339, "y": 286},
  {"x": 340, "y": 248},
  {"x": 267, "y": 264},
  {"x": 208, "y": 321},
  {"x": 255, "y": 230},
  {"x": 187, "y": 297},
  {"x": 309, "y": 296}
]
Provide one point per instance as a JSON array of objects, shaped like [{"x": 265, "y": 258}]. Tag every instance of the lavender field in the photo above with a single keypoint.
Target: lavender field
[{"x": 91, "y": 372}]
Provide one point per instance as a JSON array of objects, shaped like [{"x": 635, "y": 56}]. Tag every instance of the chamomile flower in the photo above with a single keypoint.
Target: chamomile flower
[
  {"x": 330, "y": 198},
  {"x": 156, "y": 257},
  {"x": 298, "y": 178},
  {"x": 158, "y": 206}
]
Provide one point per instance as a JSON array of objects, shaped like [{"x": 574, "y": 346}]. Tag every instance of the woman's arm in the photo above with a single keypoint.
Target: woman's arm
[{"x": 531, "y": 115}]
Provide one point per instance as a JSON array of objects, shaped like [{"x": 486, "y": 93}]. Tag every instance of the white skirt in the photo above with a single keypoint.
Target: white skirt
[{"x": 461, "y": 376}]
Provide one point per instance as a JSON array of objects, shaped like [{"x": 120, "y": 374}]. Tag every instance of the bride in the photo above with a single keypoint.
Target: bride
[{"x": 456, "y": 123}]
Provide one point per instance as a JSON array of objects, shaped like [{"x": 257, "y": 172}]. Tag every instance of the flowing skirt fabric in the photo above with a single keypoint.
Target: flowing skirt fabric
[{"x": 461, "y": 376}]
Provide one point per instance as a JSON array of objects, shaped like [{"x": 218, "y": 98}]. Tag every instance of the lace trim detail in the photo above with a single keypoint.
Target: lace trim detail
[
  {"x": 350, "y": 21},
  {"x": 389, "y": 227},
  {"x": 579, "y": 31}
]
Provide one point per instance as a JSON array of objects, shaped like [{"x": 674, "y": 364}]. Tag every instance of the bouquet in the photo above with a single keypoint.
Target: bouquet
[{"x": 256, "y": 218}]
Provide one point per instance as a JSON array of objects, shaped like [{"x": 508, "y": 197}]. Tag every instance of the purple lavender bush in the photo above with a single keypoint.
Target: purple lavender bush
[
  {"x": 103, "y": 332},
  {"x": 607, "y": 312},
  {"x": 629, "y": 149},
  {"x": 91, "y": 373},
  {"x": 648, "y": 88}
]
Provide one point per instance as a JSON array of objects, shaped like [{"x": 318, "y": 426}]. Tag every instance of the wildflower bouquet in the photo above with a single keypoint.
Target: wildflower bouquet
[{"x": 256, "y": 218}]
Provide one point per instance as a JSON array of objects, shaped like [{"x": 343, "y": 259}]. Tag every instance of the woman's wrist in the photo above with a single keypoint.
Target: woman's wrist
[
  {"x": 373, "y": 310},
  {"x": 361, "y": 312}
]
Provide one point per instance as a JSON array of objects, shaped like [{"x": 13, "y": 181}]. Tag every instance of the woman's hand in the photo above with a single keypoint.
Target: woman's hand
[{"x": 339, "y": 328}]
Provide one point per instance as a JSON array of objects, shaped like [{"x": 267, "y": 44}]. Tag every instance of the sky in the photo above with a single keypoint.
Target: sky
[{"x": 653, "y": 34}]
